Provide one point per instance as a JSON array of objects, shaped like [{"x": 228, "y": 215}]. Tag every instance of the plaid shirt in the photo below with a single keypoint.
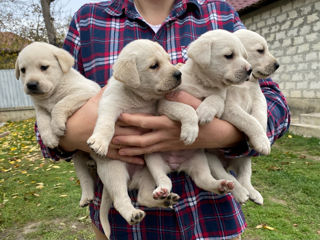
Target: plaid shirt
[{"x": 96, "y": 35}]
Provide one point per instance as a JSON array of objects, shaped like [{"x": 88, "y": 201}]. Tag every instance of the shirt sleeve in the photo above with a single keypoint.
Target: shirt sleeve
[
  {"x": 278, "y": 119},
  {"x": 72, "y": 45}
]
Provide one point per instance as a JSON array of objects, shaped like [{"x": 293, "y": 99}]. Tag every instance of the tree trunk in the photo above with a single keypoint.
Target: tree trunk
[{"x": 48, "y": 20}]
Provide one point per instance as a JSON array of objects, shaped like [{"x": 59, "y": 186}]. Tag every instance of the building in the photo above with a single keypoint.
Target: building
[{"x": 292, "y": 29}]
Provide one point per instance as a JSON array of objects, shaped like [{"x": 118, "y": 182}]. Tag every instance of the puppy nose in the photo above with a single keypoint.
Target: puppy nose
[
  {"x": 32, "y": 85},
  {"x": 177, "y": 75},
  {"x": 276, "y": 65}
]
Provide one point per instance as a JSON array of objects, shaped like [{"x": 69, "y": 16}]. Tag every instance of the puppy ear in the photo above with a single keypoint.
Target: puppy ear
[
  {"x": 64, "y": 58},
  {"x": 200, "y": 51},
  {"x": 17, "y": 69},
  {"x": 125, "y": 70}
]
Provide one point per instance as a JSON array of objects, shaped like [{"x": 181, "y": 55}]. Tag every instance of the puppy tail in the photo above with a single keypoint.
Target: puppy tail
[{"x": 104, "y": 211}]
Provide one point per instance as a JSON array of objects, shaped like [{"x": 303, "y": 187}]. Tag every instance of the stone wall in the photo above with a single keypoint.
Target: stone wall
[{"x": 292, "y": 29}]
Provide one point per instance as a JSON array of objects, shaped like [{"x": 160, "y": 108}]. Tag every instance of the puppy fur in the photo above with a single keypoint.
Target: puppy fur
[
  {"x": 142, "y": 75},
  {"x": 216, "y": 60},
  {"x": 246, "y": 109},
  {"x": 57, "y": 91}
]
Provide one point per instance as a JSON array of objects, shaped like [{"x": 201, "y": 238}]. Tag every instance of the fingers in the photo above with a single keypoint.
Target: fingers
[
  {"x": 184, "y": 97},
  {"x": 158, "y": 147},
  {"x": 147, "y": 122},
  {"x": 122, "y": 130},
  {"x": 114, "y": 154},
  {"x": 147, "y": 139}
]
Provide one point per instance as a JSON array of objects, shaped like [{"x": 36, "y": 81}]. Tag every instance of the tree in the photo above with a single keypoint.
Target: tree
[{"x": 48, "y": 20}]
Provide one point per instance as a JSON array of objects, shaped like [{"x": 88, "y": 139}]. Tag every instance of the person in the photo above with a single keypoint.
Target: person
[{"x": 97, "y": 33}]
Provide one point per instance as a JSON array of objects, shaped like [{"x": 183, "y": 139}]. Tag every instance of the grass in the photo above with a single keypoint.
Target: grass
[{"x": 39, "y": 198}]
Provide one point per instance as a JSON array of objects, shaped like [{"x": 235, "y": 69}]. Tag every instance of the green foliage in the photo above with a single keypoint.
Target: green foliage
[{"x": 39, "y": 198}]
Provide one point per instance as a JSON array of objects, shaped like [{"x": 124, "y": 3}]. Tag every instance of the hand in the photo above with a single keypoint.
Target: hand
[
  {"x": 165, "y": 134},
  {"x": 80, "y": 127}
]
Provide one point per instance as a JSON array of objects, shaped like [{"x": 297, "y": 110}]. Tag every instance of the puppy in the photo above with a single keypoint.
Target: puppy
[
  {"x": 246, "y": 109},
  {"x": 142, "y": 75},
  {"x": 57, "y": 91},
  {"x": 216, "y": 60}
]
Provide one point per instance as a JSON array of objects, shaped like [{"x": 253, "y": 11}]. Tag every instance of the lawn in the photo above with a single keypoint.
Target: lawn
[{"x": 39, "y": 198}]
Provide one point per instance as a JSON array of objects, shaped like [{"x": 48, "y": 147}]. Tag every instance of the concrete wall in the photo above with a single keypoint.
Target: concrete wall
[{"x": 292, "y": 29}]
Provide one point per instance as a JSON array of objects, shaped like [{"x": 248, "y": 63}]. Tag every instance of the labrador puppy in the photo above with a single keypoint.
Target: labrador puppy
[
  {"x": 246, "y": 109},
  {"x": 217, "y": 59},
  {"x": 57, "y": 91},
  {"x": 142, "y": 75}
]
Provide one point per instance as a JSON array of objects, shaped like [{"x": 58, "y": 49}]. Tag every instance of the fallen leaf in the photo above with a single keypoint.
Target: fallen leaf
[
  {"x": 265, "y": 226},
  {"x": 289, "y": 136},
  {"x": 63, "y": 195},
  {"x": 55, "y": 166}
]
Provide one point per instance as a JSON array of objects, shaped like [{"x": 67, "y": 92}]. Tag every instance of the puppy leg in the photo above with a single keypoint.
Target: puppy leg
[
  {"x": 184, "y": 114},
  {"x": 212, "y": 106},
  {"x": 86, "y": 181},
  {"x": 159, "y": 170},
  {"x": 146, "y": 186},
  {"x": 64, "y": 109},
  {"x": 104, "y": 128},
  {"x": 242, "y": 166},
  {"x": 239, "y": 192},
  {"x": 115, "y": 177},
  {"x": 198, "y": 169},
  {"x": 250, "y": 126},
  {"x": 49, "y": 138}
]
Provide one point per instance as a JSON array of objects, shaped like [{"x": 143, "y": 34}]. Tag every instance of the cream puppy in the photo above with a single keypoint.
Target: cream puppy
[
  {"x": 57, "y": 91},
  {"x": 142, "y": 75},
  {"x": 217, "y": 59},
  {"x": 246, "y": 108}
]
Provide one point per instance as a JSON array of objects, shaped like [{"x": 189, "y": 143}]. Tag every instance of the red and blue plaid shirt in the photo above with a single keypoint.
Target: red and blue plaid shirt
[{"x": 96, "y": 35}]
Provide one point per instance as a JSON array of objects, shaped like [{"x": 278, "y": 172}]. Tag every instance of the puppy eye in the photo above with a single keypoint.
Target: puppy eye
[
  {"x": 229, "y": 56},
  {"x": 154, "y": 66},
  {"x": 23, "y": 70},
  {"x": 44, "y": 68},
  {"x": 261, "y": 51}
]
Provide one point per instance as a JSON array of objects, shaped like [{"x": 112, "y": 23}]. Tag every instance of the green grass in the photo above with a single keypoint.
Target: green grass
[{"x": 39, "y": 198}]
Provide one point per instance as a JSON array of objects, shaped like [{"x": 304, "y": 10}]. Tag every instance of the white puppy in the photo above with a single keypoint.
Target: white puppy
[
  {"x": 57, "y": 91},
  {"x": 142, "y": 75},
  {"x": 216, "y": 60},
  {"x": 246, "y": 108}
]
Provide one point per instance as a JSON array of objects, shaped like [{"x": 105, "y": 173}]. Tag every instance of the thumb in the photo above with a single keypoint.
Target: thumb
[{"x": 183, "y": 97}]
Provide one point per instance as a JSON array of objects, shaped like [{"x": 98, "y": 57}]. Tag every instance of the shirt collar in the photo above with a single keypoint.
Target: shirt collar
[{"x": 119, "y": 7}]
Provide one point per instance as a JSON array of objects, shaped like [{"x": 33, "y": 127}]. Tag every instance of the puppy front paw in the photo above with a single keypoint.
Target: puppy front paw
[
  {"x": 205, "y": 114},
  {"x": 99, "y": 145},
  {"x": 50, "y": 140},
  {"x": 189, "y": 133},
  {"x": 255, "y": 196},
  {"x": 58, "y": 128}
]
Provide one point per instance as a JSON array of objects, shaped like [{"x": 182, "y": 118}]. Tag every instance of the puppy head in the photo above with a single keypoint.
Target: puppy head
[
  {"x": 41, "y": 66},
  {"x": 145, "y": 67},
  {"x": 262, "y": 61},
  {"x": 221, "y": 57}
]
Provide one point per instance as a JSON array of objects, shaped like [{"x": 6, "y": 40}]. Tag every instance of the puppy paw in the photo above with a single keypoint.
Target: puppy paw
[
  {"x": 98, "y": 144},
  {"x": 86, "y": 199},
  {"x": 261, "y": 144},
  {"x": 205, "y": 114},
  {"x": 255, "y": 196},
  {"x": 160, "y": 193},
  {"x": 240, "y": 194},
  {"x": 171, "y": 200},
  {"x": 50, "y": 140},
  {"x": 225, "y": 186},
  {"x": 136, "y": 216},
  {"x": 58, "y": 128},
  {"x": 189, "y": 133}
]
